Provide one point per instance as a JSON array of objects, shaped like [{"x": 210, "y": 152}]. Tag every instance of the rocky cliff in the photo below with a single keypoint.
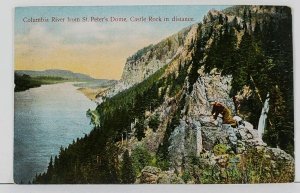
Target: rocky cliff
[
  {"x": 196, "y": 135},
  {"x": 163, "y": 114},
  {"x": 148, "y": 60}
]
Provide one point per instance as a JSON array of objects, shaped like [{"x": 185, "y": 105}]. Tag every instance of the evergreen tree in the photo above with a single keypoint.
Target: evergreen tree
[
  {"x": 50, "y": 166},
  {"x": 127, "y": 171},
  {"x": 47, "y": 177},
  {"x": 245, "y": 18}
]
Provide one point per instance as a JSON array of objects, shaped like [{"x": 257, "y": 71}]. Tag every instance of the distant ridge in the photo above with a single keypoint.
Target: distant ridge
[{"x": 55, "y": 73}]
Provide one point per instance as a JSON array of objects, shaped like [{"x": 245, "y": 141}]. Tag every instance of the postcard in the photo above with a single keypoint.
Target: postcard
[{"x": 162, "y": 94}]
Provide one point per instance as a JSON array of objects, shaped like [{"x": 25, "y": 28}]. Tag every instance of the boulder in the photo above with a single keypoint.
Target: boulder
[
  {"x": 154, "y": 175},
  {"x": 149, "y": 175}
]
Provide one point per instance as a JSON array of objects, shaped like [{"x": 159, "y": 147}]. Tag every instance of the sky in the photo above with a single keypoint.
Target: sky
[{"x": 98, "y": 49}]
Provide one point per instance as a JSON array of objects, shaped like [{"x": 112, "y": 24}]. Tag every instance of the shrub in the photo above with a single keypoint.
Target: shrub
[
  {"x": 141, "y": 157},
  {"x": 154, "y": 122},
  {"x": 186, "y": 176},
  {"x": 220, "y": 149}
]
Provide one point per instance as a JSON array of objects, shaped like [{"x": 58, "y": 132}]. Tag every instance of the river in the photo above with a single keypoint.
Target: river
[{"x": 46, "y": 118}]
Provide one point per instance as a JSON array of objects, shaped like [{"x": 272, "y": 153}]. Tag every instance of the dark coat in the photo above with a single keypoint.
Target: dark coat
[{"x": 218, "y": 108}]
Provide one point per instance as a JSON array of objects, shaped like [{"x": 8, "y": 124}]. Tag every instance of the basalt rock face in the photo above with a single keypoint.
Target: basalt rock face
[
  {"x": 197, "y": 139},
  {"x": 150, "y": 59},
  {"x": 187, "y": 137}
]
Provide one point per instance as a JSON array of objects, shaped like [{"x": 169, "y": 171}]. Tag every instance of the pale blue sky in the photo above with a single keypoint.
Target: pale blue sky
[{"x": 91, "y": 47}]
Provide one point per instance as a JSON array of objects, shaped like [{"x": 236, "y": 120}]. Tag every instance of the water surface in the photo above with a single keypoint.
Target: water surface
[{"x": 46, "y": 118}]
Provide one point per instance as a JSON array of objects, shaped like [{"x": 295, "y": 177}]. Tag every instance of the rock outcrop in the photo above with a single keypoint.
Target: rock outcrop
[
  {"x": 148, "y": 60},
  {"x": 154, "y": 175}
]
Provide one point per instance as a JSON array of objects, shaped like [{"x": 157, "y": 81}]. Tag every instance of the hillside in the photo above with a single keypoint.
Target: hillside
[
  {"x": 160, "y": 128},
  {"x": 148, "y": 60},
  {"x": 26, "y": 79},
  {"x": 24, "y": 82},
  {"x": 65, "y": 74}
]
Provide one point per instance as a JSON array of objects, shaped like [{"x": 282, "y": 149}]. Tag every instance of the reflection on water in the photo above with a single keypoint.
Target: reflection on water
[{"x": 46, "y": 118}]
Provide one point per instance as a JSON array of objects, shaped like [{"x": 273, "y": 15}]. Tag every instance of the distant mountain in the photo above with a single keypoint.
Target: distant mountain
[{"x": 66, "y": 74}]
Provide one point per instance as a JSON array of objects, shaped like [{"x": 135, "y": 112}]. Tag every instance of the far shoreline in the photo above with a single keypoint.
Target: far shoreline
[{"x": 91, "y": 93}]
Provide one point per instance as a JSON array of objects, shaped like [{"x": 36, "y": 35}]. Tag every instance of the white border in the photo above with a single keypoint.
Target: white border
[{"x": 6, "y": 101}]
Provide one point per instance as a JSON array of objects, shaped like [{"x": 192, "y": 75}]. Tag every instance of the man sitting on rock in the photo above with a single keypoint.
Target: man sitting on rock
[
  {"x": 219, "y": 108},
  {"x": 228, "y": 122}
]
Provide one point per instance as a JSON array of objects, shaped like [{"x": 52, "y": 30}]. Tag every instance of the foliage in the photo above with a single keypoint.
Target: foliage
[
  {"x": 25, "y": 82},
  {"x": 154, "y": 122},
  {"x": 251, "y": 167},
  {"x": 220, "y": 149},
  {"x": 186, "y": 176},
  {"x": 221, "y": 54},
  {"x": 141, "y": 157},
  {"x": 127, "y": 171},
  {"x": 163, "y": 159},
  {"x": 140, "y": 129},
  {"x": 176, "y": 82},
  {"x": 263, "y": 60},
  {"x": 140, "y": 53},
  {"x": 197, "y": 57}
]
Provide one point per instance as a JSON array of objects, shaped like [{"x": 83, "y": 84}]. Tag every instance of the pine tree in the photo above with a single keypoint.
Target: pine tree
[
  {"x": 245, "y": 18},
  {"x": 127, "y": 171},
  {"x": 48, "y": 175},
  {"x": 50, "y": 167}
]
